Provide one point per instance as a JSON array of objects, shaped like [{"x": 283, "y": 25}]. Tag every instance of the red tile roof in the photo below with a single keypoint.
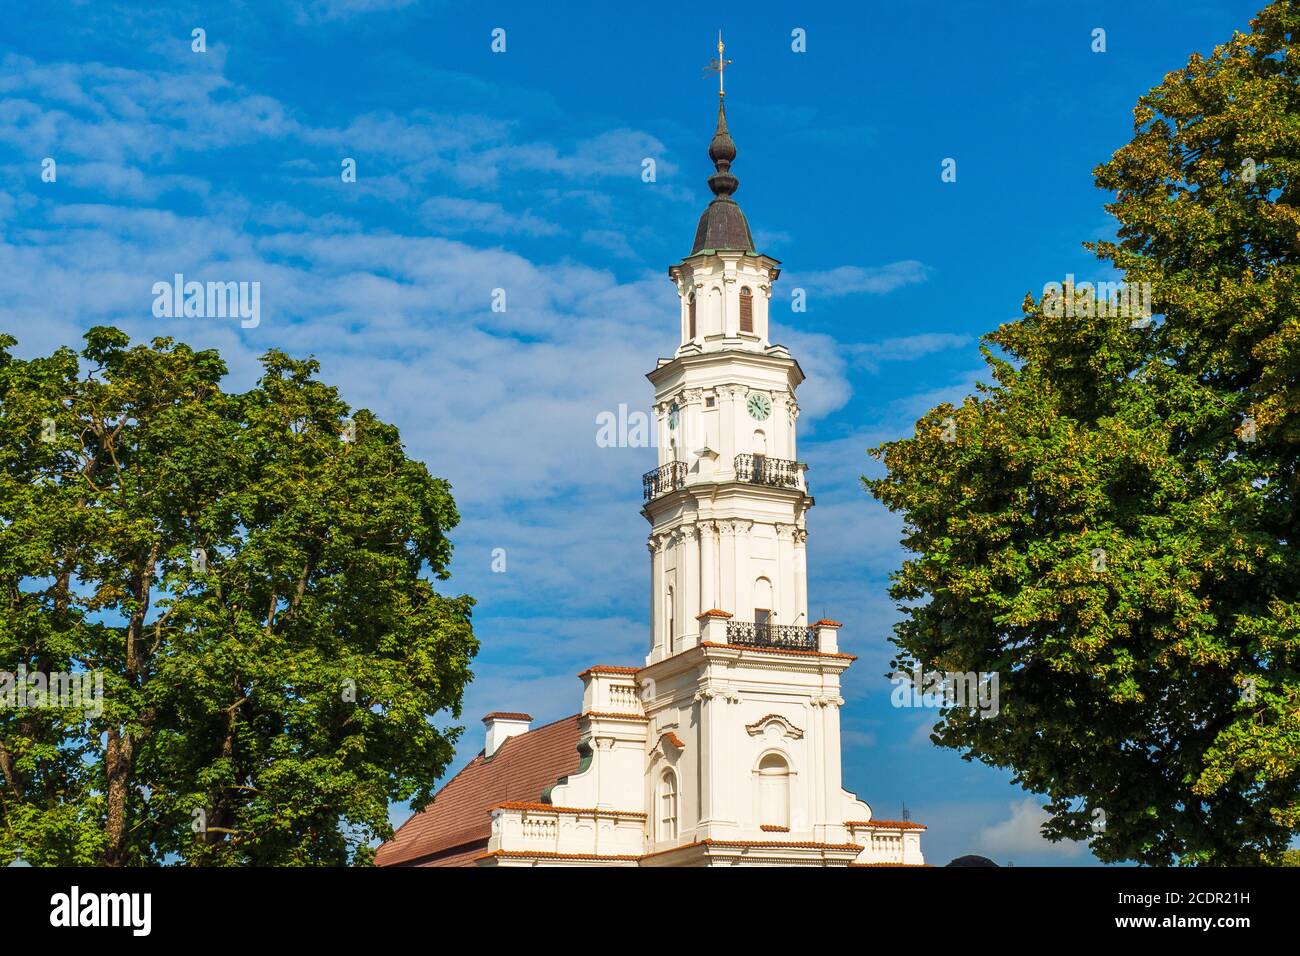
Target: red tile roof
[
  {"x": 506, "y": 715},
  {"x": 673, "y": 739},
  {"x": 608, "y": 669},
  {"x": 615, "y": 715},
  {"x": 454, "y": 829},
  {"x": 887, "y": 824}
]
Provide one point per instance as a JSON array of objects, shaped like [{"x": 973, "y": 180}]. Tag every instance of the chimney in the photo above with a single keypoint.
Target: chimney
[{"x": 501, "y": 726}]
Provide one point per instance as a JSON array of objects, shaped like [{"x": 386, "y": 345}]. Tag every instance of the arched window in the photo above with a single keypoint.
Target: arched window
[
  {"x": 762, "y": 604},
  {"x": 760, "y": 442},
  {"x": 668, "y": 806},
  {"x": 774, "y": 791},
  {"x": 690, "y": 314},
  {"x": 713, "y": 316},
  {"x": 746, "y": 310}
]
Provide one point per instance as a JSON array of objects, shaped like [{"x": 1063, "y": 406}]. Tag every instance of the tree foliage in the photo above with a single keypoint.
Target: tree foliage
[
  {"x": 250, "y": 574},
  {"x": 1113, "y": 524}
]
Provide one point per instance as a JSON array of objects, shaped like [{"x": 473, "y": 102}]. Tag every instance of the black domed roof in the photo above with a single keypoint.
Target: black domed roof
[{"x": 723, "y": 225}]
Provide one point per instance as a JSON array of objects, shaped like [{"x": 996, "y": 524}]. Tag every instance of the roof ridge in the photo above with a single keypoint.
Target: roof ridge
[
  {"x": 531, "y": 730},
  {"x": 551, "y": 724}
]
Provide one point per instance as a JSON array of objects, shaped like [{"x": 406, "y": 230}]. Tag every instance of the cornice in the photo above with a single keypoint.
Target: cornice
[{"x": 725, "y": 356}]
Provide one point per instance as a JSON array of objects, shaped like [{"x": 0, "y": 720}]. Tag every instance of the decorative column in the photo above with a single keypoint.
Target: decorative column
[
  {"x": 782, "y": 432},
  {"x": 826, "y": 706},
  {"x": 690, "y": 576},
  {"x": 730, "y": 294},
  {"x": 683, "y": 291},
  {"x": 728, "y": 400},
  {"x": 656, "y": 609},
  {"x": 663, "y": 440},
  {"x": 727, "y": 545},
  {"x": 708, "y": 567},
  {"x": 783, "y": 596},
  {"x": 704, "y": 701},
  {"x": 793, "y": 419},
  {"x": 744, "y": 610},
  {"x": 800, "y": 576}
]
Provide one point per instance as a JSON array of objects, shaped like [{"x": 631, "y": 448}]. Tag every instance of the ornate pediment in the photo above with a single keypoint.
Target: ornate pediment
[{"x": 775, "y": 726}]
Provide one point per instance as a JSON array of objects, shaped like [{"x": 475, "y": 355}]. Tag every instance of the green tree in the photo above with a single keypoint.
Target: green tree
[
  {"x": 1112, "y": 524},
  {"x": 249, "y": 574}
]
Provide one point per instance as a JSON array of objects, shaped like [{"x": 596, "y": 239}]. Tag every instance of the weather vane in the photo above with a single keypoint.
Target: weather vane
[{"x": 717, "y": 65}]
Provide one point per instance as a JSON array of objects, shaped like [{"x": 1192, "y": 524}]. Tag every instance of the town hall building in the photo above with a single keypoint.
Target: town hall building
[{"x": 723, "y": 748}]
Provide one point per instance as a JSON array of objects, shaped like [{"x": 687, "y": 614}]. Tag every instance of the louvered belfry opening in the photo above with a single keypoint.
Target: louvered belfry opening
[{"x": 746, "y": 310}]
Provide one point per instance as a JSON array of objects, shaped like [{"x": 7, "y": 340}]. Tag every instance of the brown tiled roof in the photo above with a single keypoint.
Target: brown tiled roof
[{"x": 458, "y": 819}]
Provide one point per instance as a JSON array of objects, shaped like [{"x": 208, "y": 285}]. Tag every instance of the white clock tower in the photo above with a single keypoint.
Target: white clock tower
[
  {"x": 723, "y": 748},
  {"x": 728, "y": 500},
  {"x": 736, "y": 673}
]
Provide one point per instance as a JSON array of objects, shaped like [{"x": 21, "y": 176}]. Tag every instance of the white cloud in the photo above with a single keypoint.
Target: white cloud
[
  {"x": 453, "y": 215},
  {"x": 327, "y": 11},
  {"x": 848, "y": 280},
  {"x": 906, "y": 348},
  {"x": 610, "y": 240},
  {"x": 1021, "y": 833}
]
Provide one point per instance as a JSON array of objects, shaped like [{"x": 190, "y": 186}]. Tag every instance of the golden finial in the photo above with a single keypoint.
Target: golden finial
[{"x": 717, "y": 65}]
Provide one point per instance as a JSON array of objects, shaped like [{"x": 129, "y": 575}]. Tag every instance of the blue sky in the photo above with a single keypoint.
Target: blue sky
[{"x": 522, "y": 170}]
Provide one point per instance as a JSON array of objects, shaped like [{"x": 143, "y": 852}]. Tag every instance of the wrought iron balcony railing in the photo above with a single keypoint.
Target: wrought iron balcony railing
[
  {"x": 762, "y": 470},
  {"x": 751, "y": 634},
  {"x": 664, "y": 479}
]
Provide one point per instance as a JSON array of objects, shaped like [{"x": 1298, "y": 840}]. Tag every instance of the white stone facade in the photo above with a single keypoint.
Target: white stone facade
[{"x": 724, "y": 748}]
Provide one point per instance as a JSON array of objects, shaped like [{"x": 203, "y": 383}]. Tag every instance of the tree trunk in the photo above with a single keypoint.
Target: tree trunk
[{"x": 119, "y": 758}]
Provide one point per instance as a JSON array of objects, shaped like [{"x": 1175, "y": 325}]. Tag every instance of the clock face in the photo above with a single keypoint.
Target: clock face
[
  {"x": 673, "y": 412},
  {"x": 759, "y": 405}
]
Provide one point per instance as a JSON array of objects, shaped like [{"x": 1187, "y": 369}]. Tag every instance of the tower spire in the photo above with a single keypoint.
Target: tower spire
[
  {"x": 717, "y": 65},
  {"x": 723, "y": 225},
  {"x": 722, "y": 149}
]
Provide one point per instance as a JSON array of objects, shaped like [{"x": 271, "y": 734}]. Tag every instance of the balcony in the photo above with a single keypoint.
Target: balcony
[
  {"x": 761, "y": 470},
  {"x": 750, "y": 634},
  {"x": 664, "y": 479}
]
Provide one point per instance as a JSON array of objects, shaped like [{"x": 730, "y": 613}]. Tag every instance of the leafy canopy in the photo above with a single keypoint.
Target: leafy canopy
[
  {"x": 1113, "y": 526},
  {"x": 250, "y": 574}
]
